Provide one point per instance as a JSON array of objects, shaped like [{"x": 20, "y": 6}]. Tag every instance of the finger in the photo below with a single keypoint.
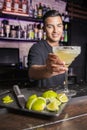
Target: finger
[
  {"x": 56, "y": 68},
  {"x": 55, "y": 58},
  {"x": 51, "y": 55}
]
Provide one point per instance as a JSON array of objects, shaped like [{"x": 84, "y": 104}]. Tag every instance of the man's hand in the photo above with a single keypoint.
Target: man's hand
[{"x": 55, "y": 65}]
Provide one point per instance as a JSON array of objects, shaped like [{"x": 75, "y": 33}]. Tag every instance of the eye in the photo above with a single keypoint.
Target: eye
[
  {"x": 49, "y": 26},
  {"x": 60, "y": 25}
]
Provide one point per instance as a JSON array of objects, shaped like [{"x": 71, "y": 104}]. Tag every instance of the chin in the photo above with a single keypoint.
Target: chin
[{"x": 55, "y": 40}]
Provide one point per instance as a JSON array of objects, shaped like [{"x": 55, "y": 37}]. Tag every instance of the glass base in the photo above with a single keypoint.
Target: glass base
[{"x": 69, "y": 92}]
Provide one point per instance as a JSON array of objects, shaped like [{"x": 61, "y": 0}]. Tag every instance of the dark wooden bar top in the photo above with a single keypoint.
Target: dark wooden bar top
[{"x": 73, "y": 117}]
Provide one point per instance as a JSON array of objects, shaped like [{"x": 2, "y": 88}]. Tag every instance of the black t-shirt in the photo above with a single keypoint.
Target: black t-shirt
[{"x": 38, "y": 54}]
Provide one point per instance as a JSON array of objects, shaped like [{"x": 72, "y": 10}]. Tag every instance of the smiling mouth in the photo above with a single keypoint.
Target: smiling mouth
[{"x": 55, "y": 36}]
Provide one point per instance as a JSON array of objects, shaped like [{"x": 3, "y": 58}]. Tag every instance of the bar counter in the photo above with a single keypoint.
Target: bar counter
[{"x": 73, "y": 117}]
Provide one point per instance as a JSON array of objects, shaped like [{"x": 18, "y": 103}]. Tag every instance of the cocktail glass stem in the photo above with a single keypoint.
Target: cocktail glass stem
[
  {"x": 66, "y": 83},
  {"x": 68, "y": 92}
]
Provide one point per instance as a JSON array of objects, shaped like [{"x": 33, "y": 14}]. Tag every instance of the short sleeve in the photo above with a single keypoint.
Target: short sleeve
[{"x": 35, "y": 55}]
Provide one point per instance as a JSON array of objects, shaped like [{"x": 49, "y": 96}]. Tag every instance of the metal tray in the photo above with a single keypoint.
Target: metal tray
[{"x": 14, "y": 107}]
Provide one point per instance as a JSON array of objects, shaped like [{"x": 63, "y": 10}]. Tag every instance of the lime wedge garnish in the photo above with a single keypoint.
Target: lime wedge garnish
[
  {"x": 57, "y": 102},
  {"x": 39, "y": 104},
  {"x": 49, "y": 94},
  {"x": 52, "y": 106},
  {"x": 62, "y": 97},
  {"x": 7, "y": 99},
  {"x": 30, "y": 101}
]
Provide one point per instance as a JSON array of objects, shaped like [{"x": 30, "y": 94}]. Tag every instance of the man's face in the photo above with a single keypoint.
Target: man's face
[{"x": 54, "y": 28}]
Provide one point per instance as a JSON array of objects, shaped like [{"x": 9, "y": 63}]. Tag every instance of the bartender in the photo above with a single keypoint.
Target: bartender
[{"x": 45, "y": 69}]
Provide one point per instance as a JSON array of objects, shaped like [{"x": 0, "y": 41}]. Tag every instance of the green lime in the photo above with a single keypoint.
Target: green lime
[
  {"x": 62, "y": 97},
  {"x": 39, "y": 104},
  {"x": 7, "y": 99},
  {"x": 49, "y": 94},
  {"x": 32, "y": 96},
  {"x": 30, "y": 101},
  {"x": 57, "y": 102},
  {"x": 52, "y": 106}
]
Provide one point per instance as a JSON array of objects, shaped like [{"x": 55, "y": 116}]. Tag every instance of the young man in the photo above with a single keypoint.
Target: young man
[{"x": 45, "y": 68}]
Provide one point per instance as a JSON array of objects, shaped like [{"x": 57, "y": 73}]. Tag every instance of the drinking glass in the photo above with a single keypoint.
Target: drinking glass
[
  {"x": 68, "y": 55},
  {"x": 7, "y": 30}
]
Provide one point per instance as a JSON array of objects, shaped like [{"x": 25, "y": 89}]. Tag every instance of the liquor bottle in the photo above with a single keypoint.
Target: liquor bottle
[
  {"x": 8, "y": 5},
  {"x": 5, "y": 22},
  {"x": 40, "y": 11},
  {"x": 35, "y": 11},
  {"x": 65, "y": 33},
  {"x": 66, "y": 19},
  {"x": 62, "y": 37},
  {"x": 31, "y": 10},
  {"x": 40, "y": 31},
  {"x": 63, "y": 17},
  {"x": 16, "y": 5},
  {"x": 2, "y": 30},
  {"x": 1, "y": 5},
  {"x": 44, "y": 35},
  {"x": 48, "y": 8},
  {"x": 25, "y": 32},
  {"x": 7, "y": 30},
  {"x": 24, "y": 6},
  {"x": 35, "y": 32},
  {"x": 13, "y": 31},
  {"x": 30, "y": 32},
  {"x": 19, "y": 31},
  {"x": 44, "y": 10}
]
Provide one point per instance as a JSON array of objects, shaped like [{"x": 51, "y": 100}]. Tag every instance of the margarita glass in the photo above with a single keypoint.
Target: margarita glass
[{"x": 68, "y": 55}]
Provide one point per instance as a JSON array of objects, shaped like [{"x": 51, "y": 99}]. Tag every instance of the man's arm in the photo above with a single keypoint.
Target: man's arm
[{"x": 54, "y": 66}]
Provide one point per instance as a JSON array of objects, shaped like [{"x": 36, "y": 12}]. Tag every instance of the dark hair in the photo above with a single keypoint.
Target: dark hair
[{"x": 51, "y": 13}]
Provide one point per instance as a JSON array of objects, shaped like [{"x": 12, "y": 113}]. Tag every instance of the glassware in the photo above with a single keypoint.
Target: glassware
[
  {"x": 1, "y": 5},
  {"x": 67, "y": 54},
  {"x": 7, "y": 30}
]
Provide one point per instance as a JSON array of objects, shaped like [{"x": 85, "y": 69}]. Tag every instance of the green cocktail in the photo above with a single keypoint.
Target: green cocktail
[{"x": 68, "y": 55}]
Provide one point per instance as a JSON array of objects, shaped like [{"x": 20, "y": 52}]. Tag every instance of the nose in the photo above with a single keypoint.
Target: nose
[{"x": 55, "y": 29}]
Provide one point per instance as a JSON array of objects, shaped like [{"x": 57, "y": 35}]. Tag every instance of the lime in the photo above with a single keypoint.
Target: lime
[
  {"x": 39, "y": 104},
  {"x": 7, "y": 99},
  {"x": 57, "y": 102},
  {"x": 62, "y": 97},
  {"x": 32, "y": 96},
  {"x": 49, "y": 94},
  {"x": 52, "y": 106},
  {"x": 30, "y": 101}
]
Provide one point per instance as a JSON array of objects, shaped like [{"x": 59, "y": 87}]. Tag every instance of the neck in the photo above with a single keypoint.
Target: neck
[{"x": 53, "y": 43}]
